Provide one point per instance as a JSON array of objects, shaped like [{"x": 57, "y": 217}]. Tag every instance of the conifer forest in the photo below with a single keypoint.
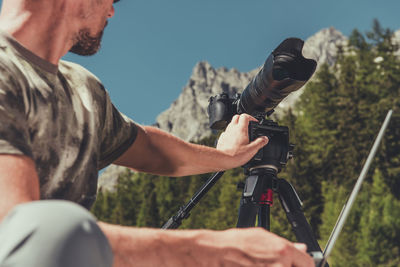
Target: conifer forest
[{"x": 333, "y": 126}]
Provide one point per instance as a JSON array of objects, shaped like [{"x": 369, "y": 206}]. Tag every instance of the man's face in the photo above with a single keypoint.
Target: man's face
[{"x": 88, "y": 39}]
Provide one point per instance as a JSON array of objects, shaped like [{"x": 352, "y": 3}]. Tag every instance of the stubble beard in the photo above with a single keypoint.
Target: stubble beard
[{"x": 85, "y": 44}]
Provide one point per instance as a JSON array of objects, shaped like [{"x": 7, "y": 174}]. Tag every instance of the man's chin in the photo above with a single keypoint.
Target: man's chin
[
  {"x": 85, "y": 44},
  {"x": 84, "y": 51}
]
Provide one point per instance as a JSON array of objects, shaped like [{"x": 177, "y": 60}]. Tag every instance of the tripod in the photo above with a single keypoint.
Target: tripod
[
  {"x": 260, "y": 184},
  {"x": 257, "y": 198}
]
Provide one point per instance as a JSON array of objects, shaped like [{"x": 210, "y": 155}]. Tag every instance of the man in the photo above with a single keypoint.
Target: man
[{"x": 58, "y": 127}]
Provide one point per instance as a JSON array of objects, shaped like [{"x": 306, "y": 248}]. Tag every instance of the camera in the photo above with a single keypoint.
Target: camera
[{"x": 285, "y": 70}]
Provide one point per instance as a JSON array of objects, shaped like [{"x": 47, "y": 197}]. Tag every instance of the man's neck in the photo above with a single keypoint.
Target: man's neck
[{"x": 44, "y": 33}]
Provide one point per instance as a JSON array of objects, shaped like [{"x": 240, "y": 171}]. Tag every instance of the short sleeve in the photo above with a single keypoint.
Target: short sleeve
[
  {"x": 118, "y": 134},
  {"x": 14, "y": 130}
]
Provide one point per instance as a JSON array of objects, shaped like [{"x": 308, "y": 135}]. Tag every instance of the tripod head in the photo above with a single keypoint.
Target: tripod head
[
  {"x": 268, "y": 161},
  {"x": 278, "y": 151}
]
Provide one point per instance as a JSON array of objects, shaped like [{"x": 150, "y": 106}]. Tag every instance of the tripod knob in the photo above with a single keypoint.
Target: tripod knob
[{"x": 290, "y": 153}]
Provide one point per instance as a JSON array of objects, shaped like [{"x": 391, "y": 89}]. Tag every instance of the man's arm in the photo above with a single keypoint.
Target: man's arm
[
  {"x": 158, "y": 152},
  {"x": 181, "y": 248}
]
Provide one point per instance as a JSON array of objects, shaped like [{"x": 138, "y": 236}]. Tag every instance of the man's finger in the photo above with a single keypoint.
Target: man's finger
[
  {"x": 244, "y": 119},
  {"x": 258, "y": 143},
  {"x": 301, "y": 246},
  {"x": 301, "y": 258},
  {"x": 235, "y": 119}
]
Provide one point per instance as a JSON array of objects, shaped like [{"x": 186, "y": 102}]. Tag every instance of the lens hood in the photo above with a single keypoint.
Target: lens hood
[{"x": 285, "y": 70}]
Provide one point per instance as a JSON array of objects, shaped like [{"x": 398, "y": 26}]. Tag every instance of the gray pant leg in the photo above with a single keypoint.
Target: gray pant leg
[{"x": 52, "y": 233}]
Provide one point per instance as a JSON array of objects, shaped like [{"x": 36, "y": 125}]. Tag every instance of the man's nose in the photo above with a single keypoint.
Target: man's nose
[{"x": 111, "y": 12}]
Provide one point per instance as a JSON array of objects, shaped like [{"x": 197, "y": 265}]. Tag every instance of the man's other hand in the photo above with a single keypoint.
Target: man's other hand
[
  {"x": 250, "y": 247},
  {"x": 255, "y": 247}
]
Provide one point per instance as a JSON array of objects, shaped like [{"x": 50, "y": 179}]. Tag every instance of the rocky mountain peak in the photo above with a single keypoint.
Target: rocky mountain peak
[
  {"x": 322, "y": 46},
  {"x": 187, "y": 116}
]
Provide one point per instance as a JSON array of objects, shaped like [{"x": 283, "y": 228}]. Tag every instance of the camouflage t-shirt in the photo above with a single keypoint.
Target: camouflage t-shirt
[{"x": 62, "y": 117}]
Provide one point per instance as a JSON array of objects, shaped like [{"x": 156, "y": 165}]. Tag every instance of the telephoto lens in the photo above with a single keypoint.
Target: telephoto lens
[{"x": 285, "y": 71}]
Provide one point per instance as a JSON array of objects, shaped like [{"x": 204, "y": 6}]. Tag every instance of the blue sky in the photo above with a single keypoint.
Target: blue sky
[{"x": 151, "y": 46}]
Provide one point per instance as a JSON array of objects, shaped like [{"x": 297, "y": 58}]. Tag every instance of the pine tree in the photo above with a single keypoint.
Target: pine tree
[
  {"x": 380, "y": 224},
  {"x": 169, "y": 192},
  {"x": 365, "y": 78},
  {"x": 224, "y": 215},
  {"x": 301, "y": 171},
  {"x": 148, "y": 215},
  {"x": 104, "y": 206},
  {"x": 127, "y": 199}
]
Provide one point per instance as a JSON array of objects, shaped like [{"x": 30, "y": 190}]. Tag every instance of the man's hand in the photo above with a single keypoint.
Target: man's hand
[
  {"x": 235, "y": 140},
  {"x": 255, "y": 247},
  {"x": 203, "y": 248}
]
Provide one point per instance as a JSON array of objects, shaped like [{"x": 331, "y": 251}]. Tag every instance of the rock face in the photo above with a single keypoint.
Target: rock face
[
  {"x": 187, "y": 117},
  {"x": 322, "y": 46},
  {"x": 109, "y": 178},
  {"x": 396, "y": 39}
]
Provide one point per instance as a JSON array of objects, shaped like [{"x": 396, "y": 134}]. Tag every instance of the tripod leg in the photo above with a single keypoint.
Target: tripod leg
[
  {"x": 249, "y": 202},
  {"x": 264, "y": 219},
  {"x": 254, "y": 191},
  {"x": 183, "y": 213},
  {"x": 292, "y": 206},
  {"x": 247, "y": 213}
]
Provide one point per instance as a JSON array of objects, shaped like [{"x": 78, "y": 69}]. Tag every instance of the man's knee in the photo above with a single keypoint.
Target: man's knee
[{"x": 53, "y": 233}]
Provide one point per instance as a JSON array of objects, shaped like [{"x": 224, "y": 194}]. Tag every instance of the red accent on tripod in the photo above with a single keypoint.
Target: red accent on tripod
[{"x": 267, "y": 198}]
